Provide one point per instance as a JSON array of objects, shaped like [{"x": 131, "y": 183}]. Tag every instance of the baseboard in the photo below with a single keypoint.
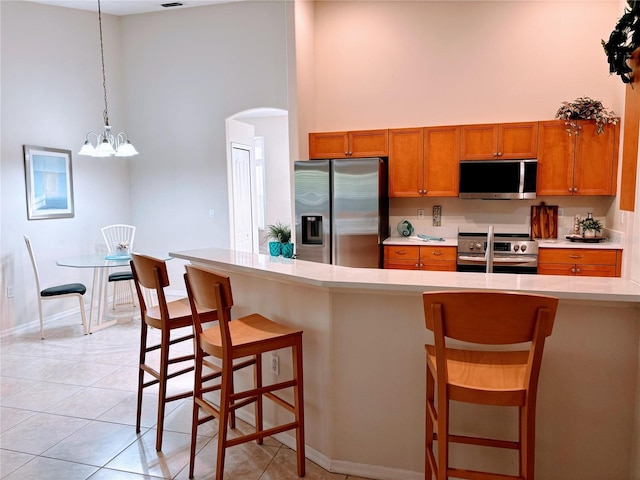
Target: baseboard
[
  {"x": 34, "y": 325},
  {"x": 376, "y": 472}
]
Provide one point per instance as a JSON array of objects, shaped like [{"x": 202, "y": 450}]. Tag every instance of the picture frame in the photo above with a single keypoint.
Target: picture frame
[{"x": 49, "y": 182}]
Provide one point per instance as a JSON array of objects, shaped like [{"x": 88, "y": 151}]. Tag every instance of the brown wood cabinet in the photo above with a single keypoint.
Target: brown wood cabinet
[
  {"x": 424, "y": 161},
  {"x": 420, "y": 257},
  {"x": 497, "y": 141},
  {"x": 580, "y": 262},
  {"x": 355, "y": 144},
  {"x": 577, "y": 164}
]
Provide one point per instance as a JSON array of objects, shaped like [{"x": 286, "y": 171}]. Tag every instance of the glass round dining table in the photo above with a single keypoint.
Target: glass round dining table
[{"x": 101, "y": 264}]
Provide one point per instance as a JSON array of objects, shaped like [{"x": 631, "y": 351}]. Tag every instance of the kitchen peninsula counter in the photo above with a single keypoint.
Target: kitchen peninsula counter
[{"x": 364, "y": 339}]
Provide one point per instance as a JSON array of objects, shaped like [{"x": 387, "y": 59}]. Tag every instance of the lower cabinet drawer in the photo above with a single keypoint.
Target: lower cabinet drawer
[
  {"x": 431, "y": 253},
  {"x": 578, "y": 255},
  {"x": 577, "y": 270},
  {"x": 401, "y": 252}
]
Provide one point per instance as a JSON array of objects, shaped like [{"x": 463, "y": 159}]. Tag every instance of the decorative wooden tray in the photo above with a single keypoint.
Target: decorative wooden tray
[{"x": 580, "y": 238}]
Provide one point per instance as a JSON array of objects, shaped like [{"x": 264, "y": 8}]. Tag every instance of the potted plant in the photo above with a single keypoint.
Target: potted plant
[
  {"x": 623, "y": 41},
  {"x": 280, "y": 234},
  {"x": 591, "y": 227},
  {"x": 585, "y": 108}
]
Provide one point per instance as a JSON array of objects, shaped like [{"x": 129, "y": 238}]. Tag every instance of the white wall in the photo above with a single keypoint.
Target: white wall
[
  {"x": 174, "y": 78},
  {"x": 386, "y": 64},
  {"x": 52, "y": 96},
  {"x": 185, "y": 73}
]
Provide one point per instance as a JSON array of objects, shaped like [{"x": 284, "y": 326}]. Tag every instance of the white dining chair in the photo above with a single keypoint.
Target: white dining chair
[
  {"x": 115, "y": 235},
  {"x": 57, "y": 291}
]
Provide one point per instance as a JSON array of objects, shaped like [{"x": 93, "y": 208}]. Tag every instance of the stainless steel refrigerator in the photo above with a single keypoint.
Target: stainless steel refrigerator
[{"x": 342, "y": 211}]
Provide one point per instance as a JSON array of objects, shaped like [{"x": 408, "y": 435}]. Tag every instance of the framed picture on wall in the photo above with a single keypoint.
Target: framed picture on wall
[{"x": 49, "y": 182}]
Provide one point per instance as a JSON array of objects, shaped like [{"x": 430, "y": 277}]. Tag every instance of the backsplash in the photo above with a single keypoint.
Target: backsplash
[{"x": 512, "y": 216}]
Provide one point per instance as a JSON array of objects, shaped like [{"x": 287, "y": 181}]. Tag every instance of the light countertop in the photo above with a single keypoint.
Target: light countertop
[
  {"x": 564, "y": 243},
  {"x": 404, "y": 281},
  {"x": 417, "y": 241}
]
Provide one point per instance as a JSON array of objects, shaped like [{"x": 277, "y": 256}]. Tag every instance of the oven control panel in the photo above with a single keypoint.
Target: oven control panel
[{"x": 518, "y": 244}]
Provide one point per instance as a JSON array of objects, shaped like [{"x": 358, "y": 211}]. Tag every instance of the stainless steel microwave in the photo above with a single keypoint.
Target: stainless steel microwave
[{"x": 498, "y": 179}]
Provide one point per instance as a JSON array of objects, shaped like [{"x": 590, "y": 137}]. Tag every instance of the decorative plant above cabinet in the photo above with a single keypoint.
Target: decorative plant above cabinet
[
  {"x": 623, "y": 41},
  {"x": 585, "y": 108}
]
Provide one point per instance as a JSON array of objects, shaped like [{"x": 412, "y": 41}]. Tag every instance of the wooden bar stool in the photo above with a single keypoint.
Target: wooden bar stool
[
  {"x": 505, "y": 378},
  {"x": 245, "y": 338},
  {"x": 151, "y": 273}
]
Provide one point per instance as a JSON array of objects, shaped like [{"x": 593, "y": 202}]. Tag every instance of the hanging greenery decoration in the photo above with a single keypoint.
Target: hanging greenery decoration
[
  {"x": 586, "y": 108},
  {"x": 623, "y": 41}
]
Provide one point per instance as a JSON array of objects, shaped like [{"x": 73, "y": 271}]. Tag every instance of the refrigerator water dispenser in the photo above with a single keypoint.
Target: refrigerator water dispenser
[{"x": 312, "y": 229}]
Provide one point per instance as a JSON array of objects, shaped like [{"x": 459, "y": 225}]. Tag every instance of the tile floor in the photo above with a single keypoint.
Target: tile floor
[{"x": 67, "y": 411}]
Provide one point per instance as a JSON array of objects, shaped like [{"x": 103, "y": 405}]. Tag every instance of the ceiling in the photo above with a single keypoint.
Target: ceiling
[{"x": 128, "y": 7}]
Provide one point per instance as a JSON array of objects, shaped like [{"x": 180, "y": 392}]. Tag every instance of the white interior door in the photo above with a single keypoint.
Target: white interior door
[{"x": 243, "y": 198}]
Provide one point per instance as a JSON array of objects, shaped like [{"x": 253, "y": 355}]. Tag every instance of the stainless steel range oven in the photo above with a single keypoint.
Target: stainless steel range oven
[{"x": 511, "y": 253}]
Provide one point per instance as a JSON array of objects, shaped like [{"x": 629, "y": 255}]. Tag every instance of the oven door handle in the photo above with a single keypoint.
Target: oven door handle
[
  {"x": 514, "y": 260},
  {"x": 469, "y": 258}
]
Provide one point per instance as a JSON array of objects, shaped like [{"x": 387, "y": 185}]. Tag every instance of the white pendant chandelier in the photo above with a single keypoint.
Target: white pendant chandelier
[{"x": 107, "y": 144}]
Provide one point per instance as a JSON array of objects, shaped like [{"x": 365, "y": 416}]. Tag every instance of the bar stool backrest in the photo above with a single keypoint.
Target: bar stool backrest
[
  {"x": 150, "y": 273},
  {"x": 210, "y": 291},
  {"x": 490, "y": 318}
]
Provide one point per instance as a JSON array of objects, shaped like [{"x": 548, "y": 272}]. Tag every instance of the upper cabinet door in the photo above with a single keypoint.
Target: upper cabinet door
[
  {"x": 361, "y": 143},
  {"x": 596, "y": 160},
  {"x": 577, "y": 164},
  {"x": 369, "y": 143},
  {"x": 479, "y": 142},
  {"x": 441, "y": 164},
  {"x": 555, "y": 159},
  {"x": 328, "y": 145},
  {"x": 502, "y": 141},
  {"x": 518, "y": 140},
  {"x": 406, "y": 173}
]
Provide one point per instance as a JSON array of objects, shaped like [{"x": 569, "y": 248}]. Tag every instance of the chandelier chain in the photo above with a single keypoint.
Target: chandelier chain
[
  {"x": 105, "y": 114},
  {"x": 107, "y": 143}
]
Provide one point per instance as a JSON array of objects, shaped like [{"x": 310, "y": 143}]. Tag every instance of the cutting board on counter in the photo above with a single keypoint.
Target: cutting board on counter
[{"x": 544, "y": 221}]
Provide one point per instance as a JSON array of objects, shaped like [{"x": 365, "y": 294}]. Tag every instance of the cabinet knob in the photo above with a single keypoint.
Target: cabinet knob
[
  {"x": 577, "y": 270},
  {"x": 573, "y": 270},
  {"x": 417, "y": 265},
  {"x": 499, "y": 154},
  {"x": 437, "y": 254}
]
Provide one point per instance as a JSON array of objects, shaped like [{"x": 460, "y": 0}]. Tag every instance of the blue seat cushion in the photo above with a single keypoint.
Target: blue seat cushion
[
  {"x": 120, "y": 276},
  {"x": 64, "y": 289}
]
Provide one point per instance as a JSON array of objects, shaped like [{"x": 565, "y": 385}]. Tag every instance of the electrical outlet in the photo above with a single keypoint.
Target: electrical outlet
[
  {"x": 420, "y": 214},
  {"x": 561, "y": 213},
  {"x": 9, "y": 292},
  {"x": 275, "y": 364}
]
